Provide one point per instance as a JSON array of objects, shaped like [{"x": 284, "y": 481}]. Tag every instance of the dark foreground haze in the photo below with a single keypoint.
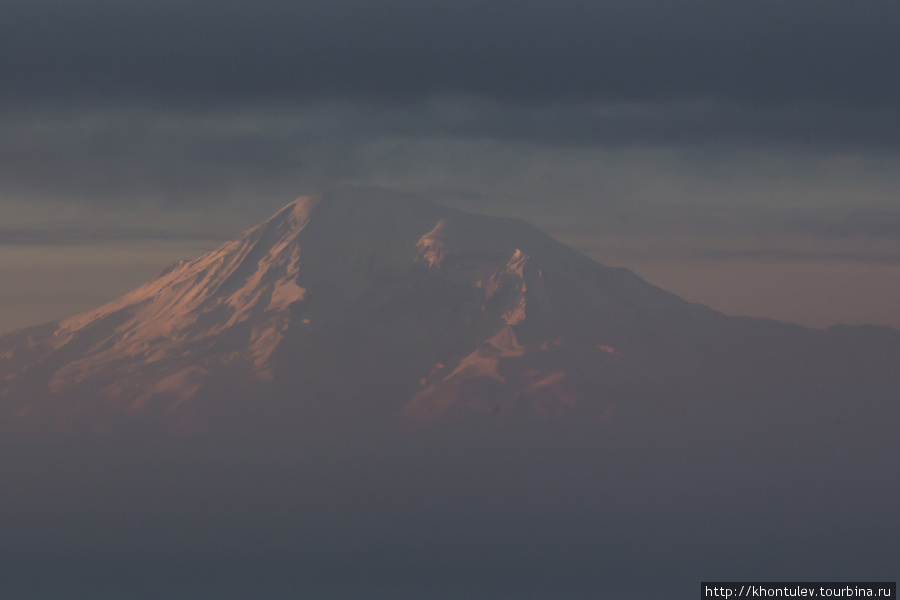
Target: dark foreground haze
[
  {"x": 640, "y": 511},
  {"x": 370, "y": 396}
]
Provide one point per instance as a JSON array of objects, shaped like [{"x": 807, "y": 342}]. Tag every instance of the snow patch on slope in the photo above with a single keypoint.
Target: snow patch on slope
[
  {"x": 430, "y": 247},
  {"x": 252, "y": 277}
]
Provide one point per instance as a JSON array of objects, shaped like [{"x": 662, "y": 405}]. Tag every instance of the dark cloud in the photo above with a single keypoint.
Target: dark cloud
[
  {"x": 114, "y": 155},
  {"x": 122, "y": 155},
  {"x": 763, "y": 51},
  {"x": 203, "y": 100}
]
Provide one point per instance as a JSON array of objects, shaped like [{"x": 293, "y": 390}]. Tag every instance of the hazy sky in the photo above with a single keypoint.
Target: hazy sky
[{"x": 744, "y": 155}]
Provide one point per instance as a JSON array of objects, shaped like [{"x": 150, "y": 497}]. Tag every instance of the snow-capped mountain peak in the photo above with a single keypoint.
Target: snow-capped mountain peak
[{"x": 365, "y": 301}]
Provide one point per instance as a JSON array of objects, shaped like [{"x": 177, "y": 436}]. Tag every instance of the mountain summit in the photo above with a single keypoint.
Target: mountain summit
[{"x": 362, "y": 301}]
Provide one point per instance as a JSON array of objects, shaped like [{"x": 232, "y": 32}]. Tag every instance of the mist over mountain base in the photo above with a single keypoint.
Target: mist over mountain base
[{"x": 638, "y": 509}]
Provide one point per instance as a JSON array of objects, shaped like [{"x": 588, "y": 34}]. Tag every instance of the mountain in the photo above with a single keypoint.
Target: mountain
[
  {"x": 372, "y": 396},
  {"x": 362, "y": 303}
]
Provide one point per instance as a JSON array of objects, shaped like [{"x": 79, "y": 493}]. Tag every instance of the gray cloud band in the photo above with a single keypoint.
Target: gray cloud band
[
  {"x": 99, "y": 155},
  {"x": 200, "y": 52}
]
